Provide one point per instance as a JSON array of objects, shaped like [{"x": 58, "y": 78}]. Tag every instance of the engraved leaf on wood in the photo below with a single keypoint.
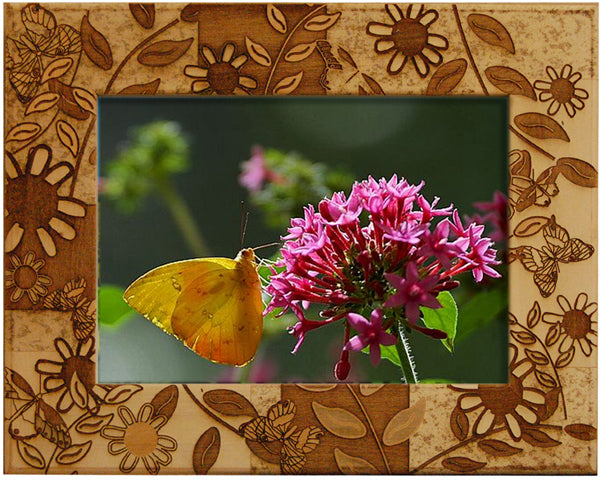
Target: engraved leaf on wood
[
  {"x": 498, "y": 448},
  {"x": 537, "y": 438},
  {"x": 258, "y": 53},
  {"x": 459, "y": 423},
  {"x": 524, "y": 338},
  {"x": 66, "y": 101},
  {"x": 165, "y": 401},
  {"x": 373, "y": 85},
  {"x": 462, "y": 464},
  {"x": 164, "y": 52},
  {"x": 143, "y": 13},
  {"x": 491, "y": 31},
  {"x": 74, "y": 453},
  {"x": 206, "y": 451},
  {"x": 85, "y": 99},
  {"x": 582, "y": 431},
  {"x": 95, "y": 45},
  {"x": 287, "y": 85},
  {"x": 78, "y": 391},
  {"x": 565, "y": 358},
  {"x": 149, "y": 88},
  {"x": 300, "y": 52},
  {"x": 57, "y": 68},
  {"x": 447, "y": 77},
  {"x": 553, "y": 334},
  {"x": 30, "y": 455},
  {"x": 540, "y": 126},
  {"x": 530, "y": 226},
  {"x": 367, "y": 389},
  {"x": 550, "y": 405},
  {"x": 191, "y": 12},
  {"x": 508, "y": 80},
  {"x": 121, "y": 393},
  {"x": 346, "y": 57},
  {"x": 545, "y": 379},
  {"x": 350, "y": 465},
  {"x": 578, "y": 172},
  {"x": 537, "y": 357},
  {"x": 67, "y": 136},
  {"x": 339, "y": 421},
  {"x": 315, "y": 387},
  {"x": 276, "y": 18},
  {"x": 229, "y": 402},
  {"x": 404, "y": 424},
  {"x": 322, "y": 22},
  {"x": 534, "y": 315},
  {"x": 42, "y": 102},
  {"x": 93, "y": 424},
  {"x": 22, "y": 131}
]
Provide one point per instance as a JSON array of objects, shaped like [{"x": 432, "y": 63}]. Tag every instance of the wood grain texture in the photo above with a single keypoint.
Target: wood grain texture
[{"x": 545, "y": 420}]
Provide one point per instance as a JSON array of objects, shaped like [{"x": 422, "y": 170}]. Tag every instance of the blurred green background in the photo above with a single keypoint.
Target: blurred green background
[{"x": 457, "y": 145}]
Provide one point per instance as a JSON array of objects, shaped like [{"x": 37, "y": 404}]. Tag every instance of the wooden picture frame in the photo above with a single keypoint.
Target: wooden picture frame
[{"x": 60, "y": 57}]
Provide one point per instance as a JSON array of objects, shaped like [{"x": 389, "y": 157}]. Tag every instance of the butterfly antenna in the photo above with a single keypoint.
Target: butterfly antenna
[
  {"x": 244, "y": 222},
  {"x": 266, "y": 245}
]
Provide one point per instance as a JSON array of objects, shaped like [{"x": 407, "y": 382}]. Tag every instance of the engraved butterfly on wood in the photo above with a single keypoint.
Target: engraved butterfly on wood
[
  {"x": 544, "y": 262},
  {"x": 275, "y": 429},
  {"x": 42, "y": 39},
  {"x": 33, "y": 416},
  {"x": 525, "y": 189}
]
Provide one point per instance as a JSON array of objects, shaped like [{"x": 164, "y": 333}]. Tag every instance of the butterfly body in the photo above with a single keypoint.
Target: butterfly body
[{"x": 213, "y": 305}]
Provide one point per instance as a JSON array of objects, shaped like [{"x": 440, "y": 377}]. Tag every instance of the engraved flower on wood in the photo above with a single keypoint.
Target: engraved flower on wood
[
  {"x": 34, "y": 203},
  {"x": 513, "y": 404},
  {"x": 220, "y": 76},
  {"x": 561, "y": 90},
  {"x": 24, "y": 277},
  {"x": 572, "y": 326},
  {"x": 139, "y": 439},
  {"x": 74, "y": 376},
  {"x": 409, "y": 38}
]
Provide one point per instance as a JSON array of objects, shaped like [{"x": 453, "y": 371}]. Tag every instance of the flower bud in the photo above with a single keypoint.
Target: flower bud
[{"x": 342, "y": 368}]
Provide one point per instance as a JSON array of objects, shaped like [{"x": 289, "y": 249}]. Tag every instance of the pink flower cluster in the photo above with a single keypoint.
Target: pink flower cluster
[{"x": 383, "y": 252}]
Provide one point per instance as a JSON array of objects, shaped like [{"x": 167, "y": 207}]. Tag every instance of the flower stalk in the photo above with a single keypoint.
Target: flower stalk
[
  {"x": 184, "y": 220},
  {"x": 407, "y": 363}
]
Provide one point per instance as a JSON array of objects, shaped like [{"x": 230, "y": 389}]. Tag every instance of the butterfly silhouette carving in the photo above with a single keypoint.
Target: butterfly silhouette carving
[
  {"x": 276, "y": 432},
  {"x": 43, "y": 38},
  {"x": 544, "y": 262},
  {"x": 525, "y": 189}
]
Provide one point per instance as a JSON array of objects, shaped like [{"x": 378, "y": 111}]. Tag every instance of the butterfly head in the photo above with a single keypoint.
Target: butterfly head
[{"x": 246, "y": 254}]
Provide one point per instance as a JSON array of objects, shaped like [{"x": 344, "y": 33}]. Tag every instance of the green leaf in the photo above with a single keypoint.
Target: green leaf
[
  {"x": 112, "y": 309},
  {"x": 444, "y": 319},
  {"x": 436, "y": 380},
  {"x": 480, "y": 310}
]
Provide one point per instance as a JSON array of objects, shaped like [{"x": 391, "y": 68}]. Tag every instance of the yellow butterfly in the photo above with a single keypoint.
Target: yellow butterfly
[{"x": 213, "y": 305}]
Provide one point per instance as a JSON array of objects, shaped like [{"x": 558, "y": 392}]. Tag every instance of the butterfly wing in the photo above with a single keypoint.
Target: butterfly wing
[
  {"x": 154, "y": 294},
  {"x": 219, "y": 313},
  {"x": 213, "y": 305},
  {"x": 25, "y": 78},
  {"x": 65, "y": 41},
  {"x": 546, "y": 277}
]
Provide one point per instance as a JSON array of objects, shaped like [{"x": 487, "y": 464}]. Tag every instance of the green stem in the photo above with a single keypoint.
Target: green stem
[
  {"x": 183, "y": 218},
  {"x": 406, "y": 362},
  {"x": 243, "y": 373}
]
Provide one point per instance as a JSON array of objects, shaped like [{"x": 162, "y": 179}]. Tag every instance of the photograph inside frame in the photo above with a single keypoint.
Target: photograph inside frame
[{"x": 391, "y": 211}]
